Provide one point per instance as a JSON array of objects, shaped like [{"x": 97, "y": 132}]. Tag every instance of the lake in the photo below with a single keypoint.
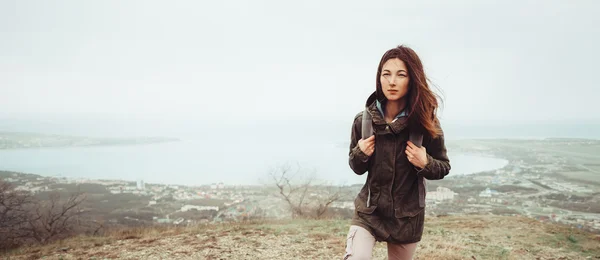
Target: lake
[{"x": 206, "y": 160}]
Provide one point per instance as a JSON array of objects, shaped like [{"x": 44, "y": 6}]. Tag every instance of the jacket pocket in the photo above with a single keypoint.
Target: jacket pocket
[
  {"x": 407, "y": 213},
  {"x": 419, "y": 225},
  {"x": 409, "y": 227},
  {"x": 360, "y": 203}
]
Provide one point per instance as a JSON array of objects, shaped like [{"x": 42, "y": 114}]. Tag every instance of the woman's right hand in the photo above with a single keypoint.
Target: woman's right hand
[{"x": 367, "y": 146}]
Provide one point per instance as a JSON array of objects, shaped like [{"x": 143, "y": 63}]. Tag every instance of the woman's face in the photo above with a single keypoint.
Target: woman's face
[{"x": 394, "y": 79}]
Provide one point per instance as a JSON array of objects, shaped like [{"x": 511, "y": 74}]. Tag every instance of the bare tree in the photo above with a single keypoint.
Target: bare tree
[
  {"x": 55, "y": 219},
  {"x": 303, "y": 193},
  {"x": 14, "y": 214},
  {"x": 332, "y": 194},
  {"x": 294, "y": 194},
  {"x": 24, "y": 219}
]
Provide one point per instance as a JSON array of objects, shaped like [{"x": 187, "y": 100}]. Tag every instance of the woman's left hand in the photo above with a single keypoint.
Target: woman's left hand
[{"x": 417, "y": 156}]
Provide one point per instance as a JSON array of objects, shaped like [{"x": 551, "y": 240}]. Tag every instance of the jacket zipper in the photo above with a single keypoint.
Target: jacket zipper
[{"x": 393, "y": 171}]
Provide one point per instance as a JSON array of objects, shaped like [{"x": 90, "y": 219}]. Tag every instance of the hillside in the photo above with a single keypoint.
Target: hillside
[{"x": 452, "y": 237}]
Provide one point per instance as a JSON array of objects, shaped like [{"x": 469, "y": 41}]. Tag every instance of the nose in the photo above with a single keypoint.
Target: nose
[{"x": 392, "y": 80}]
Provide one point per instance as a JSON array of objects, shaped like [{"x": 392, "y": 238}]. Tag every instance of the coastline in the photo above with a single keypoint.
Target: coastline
[{"x": 466, "y": 167}]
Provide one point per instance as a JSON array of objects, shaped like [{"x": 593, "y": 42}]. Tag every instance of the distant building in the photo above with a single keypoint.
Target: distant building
[
  {"x": 178, "y": 221},
  {"x": 343, "y": 204},
  {"x": 440, "y": 194},
  {"x": 190, "y": 207},
  {"x": 140, "y": 185},
  {"x": 487, "y": 193},
  {"x": 164, "y": 220}
]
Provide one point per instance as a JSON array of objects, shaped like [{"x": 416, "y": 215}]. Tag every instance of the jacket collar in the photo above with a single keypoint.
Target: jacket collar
[
  {"x": 402, "y": 114},
  {"x": 395, "y": 126}
]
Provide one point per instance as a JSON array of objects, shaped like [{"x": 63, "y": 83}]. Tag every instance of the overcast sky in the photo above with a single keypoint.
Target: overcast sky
[{"x": 511, "y": 61}]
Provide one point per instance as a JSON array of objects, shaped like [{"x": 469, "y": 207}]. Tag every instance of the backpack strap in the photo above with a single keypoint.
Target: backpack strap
[
  {"x": 416, "y": 138},
  {"x": 367, "y": 125}
]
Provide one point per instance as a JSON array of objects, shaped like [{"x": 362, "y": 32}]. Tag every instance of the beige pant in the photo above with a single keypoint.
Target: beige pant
[{"x": 360, "y": 243}]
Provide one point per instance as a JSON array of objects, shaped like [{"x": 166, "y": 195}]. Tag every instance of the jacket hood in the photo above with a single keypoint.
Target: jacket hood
[{"x": 395, "y": 126}]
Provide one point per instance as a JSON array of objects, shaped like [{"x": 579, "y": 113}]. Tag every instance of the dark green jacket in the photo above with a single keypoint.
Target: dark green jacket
[{"x": 391, "y": 204}]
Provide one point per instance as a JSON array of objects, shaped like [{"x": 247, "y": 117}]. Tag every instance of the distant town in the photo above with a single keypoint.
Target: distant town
[
  {"x": 10, "y": 140},
  {"x": 553, "y": 180},
  {"x": 122, "y": 202}
]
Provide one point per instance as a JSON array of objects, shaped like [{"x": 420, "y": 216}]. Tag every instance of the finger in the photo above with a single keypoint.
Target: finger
[
  {"x": 411, "y": 145},
  {"x": 370, "y": 151},
  {"x": 371, "y": 138},
  {"x": 409, "y": 155},
  {"x": 410, "y": 148}
]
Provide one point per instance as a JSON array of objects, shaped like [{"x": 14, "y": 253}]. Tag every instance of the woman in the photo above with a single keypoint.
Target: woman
[{"x": 399, "y": 144}]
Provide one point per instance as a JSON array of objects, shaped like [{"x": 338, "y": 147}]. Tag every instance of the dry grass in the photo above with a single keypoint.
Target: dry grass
[
  {"x": 456, "y": 237},
  {"x": 496, "y": 237}
]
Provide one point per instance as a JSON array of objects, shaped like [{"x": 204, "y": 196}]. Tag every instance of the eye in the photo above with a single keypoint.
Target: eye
[
  {"x": 386, "y": 74},
  {"x": 402, "y": 75}
]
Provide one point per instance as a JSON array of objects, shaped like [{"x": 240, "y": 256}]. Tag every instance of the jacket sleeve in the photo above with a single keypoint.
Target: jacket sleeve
[
  {"x": 438, "y": 164},
  {"x": 358, "y": 160}
]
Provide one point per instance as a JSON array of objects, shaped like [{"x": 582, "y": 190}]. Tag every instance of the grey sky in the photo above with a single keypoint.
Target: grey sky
[{"x": 510, "y": 61}]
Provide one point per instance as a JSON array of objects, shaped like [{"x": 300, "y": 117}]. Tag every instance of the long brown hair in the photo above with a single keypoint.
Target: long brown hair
[{"x": 422, "y": 102}]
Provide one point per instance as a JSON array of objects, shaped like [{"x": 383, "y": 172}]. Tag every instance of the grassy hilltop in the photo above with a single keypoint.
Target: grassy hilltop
[{"x": 451, "y": 237}]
